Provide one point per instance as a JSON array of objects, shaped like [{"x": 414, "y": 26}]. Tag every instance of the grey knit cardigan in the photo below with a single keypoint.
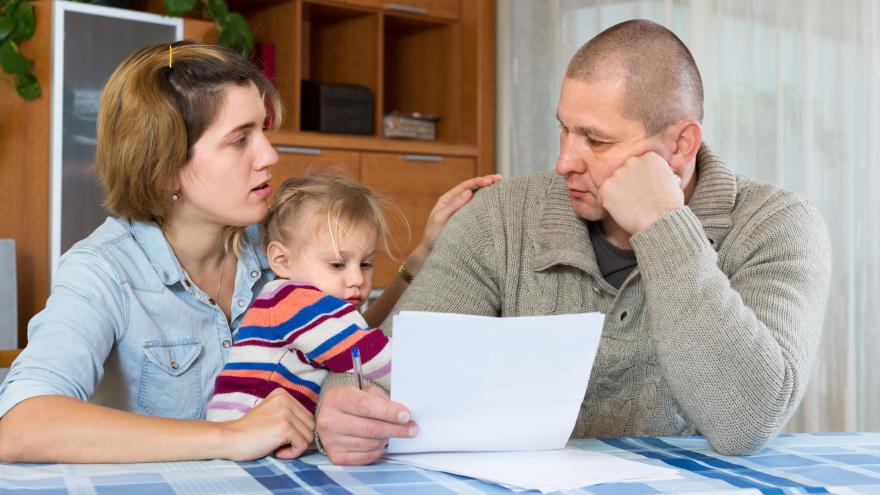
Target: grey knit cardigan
[{"x": 714, "y": 333}]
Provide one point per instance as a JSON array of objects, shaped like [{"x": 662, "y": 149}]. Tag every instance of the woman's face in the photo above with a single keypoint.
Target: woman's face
[{"x": 226, "y": 182}]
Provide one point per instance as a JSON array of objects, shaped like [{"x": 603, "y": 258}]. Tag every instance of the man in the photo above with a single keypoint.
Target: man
[{"x": 713, "y": 285}]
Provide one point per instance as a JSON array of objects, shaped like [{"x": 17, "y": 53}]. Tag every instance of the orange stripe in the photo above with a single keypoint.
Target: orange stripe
[
  {"x": 296, "y": 302},
  {"x": 292, "y": 304},
  {"x": 343, "y": 346},
  {"x": 257, "y": 317}
]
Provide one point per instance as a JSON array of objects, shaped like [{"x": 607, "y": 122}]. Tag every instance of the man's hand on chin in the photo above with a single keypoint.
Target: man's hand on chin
[{"x": 641, "y": 191}]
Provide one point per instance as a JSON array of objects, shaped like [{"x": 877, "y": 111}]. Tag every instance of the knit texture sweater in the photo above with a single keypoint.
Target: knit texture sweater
[
  {"x": 714, "y": 333},
  {"x": 291, "y": 337}
]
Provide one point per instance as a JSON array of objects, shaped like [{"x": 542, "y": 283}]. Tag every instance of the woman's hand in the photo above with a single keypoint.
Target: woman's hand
[
  {"x": 279, "y": 424},
  {"x": 450, "y": 203},
  {"x": 354, "y": 425}
]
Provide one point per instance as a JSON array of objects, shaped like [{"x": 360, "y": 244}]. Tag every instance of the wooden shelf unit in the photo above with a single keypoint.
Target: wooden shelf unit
[
  {"x": 435, "y": 57},
  {"x": 431, "y": 56}
]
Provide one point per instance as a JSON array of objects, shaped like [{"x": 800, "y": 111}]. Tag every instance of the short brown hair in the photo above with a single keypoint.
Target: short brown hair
[
  {"x": 153, "y": 109},
  {"x": 332, "y": 202},
  {"x": 663, "y": 84}
]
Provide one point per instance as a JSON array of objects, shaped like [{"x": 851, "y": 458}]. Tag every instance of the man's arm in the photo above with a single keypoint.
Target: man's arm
[
  {"x": 355, "y": 425},
  {"x": 737, "y": 352}
]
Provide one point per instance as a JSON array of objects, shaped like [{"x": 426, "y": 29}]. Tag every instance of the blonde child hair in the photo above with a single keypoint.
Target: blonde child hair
[{"x": 333, "y": 202}]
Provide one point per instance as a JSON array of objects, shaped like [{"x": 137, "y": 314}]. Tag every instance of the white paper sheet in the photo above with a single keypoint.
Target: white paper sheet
[
  {"x": 546, "y": 471},
  {"x": 477, "y": 383}
]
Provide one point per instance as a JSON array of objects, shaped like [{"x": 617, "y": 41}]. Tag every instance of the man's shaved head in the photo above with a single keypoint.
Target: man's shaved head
[{"x": 663, "y": 85}]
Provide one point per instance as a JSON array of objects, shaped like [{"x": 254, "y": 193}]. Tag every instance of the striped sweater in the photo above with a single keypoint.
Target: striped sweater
[{"x": 290, "y": 338}]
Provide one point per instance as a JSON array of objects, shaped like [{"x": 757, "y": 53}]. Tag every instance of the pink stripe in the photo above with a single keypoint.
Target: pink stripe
[
  {"x": 379, "y": 373},
  {"x": 223, "y": 404}
]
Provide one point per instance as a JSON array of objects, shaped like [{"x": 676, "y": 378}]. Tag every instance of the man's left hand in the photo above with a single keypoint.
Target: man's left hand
[{"x": 641, "y": 191}]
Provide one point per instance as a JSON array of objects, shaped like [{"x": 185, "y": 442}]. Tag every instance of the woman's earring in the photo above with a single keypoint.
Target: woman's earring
[{"x": 175, "y": 196}]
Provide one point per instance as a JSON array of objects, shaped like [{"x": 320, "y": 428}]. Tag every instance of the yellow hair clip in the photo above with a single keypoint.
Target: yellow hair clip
[{"x": 170, "y": 56}]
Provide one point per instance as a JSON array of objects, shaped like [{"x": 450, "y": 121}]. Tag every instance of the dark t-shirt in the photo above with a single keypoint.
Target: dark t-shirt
[{"x": 615, "y": 264}]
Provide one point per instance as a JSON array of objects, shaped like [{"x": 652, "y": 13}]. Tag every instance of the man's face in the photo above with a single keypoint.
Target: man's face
[{"x": 594, "y": 140}]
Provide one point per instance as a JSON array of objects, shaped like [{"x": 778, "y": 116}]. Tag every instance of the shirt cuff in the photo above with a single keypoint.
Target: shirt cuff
[
  {"x": 339, "y": 380},
  {"x": 13, "y": 393},
  {"x": 676, "y": 240}
]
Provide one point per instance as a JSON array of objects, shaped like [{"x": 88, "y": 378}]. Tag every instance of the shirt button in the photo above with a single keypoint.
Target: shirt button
[
  {"x": 241, "y": 303},
  {"x": 623, "y": 316},
  {"x": 174, "y": 365},
  {"x": 226, "y": 344},
  {"x": 255, "y": 274},
  {"x": 596, "y": 290}
]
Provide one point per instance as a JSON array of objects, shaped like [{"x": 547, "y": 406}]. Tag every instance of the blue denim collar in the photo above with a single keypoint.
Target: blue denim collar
[{"x": 157, "y": 249}]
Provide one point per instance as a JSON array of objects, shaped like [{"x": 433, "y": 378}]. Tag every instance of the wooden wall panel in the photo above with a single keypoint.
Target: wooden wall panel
[{"x": 24, "y": 174}]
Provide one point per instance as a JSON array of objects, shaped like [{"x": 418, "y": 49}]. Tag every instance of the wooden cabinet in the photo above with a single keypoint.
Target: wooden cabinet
[
  {"x": 295, "y": 161},
  {"x": 429, "y": 56},
  {"x": 447, "y": 9},
  {"x": 414, "y": 182}
]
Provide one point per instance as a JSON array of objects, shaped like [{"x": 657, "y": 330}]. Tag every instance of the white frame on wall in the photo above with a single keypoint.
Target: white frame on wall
[{"x": 59, "y": 8}]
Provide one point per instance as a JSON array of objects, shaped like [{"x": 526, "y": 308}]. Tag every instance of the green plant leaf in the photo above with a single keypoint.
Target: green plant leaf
[
  {"x": 217, "y": 9},
  {"x": 10, "y": 7},
  {"x": 236, "y": 33},
  {"x": 26, "y": 22},
  {"x": 27, "y": 85},
  {"x": 179, "y": 7},
  {"x": 7, "y": 26},
  {"x": 12, "y": 60}
]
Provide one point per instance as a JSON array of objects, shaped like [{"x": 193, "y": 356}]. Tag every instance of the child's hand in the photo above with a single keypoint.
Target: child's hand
[
  {"x": 450, "y": 203},
  {"x": 279, "y": 424}
]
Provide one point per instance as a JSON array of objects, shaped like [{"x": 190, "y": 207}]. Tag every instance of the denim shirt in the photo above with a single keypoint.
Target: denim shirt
[{"x": 125, "y": 327}]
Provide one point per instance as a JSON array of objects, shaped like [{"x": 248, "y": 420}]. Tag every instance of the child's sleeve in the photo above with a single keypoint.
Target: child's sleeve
[
  {"x": 261, "y": 361},
  {"x": 336, "y": 329}
]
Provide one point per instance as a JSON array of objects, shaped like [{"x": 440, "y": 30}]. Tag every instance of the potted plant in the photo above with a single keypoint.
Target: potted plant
[
  {"x": 232, "y": 26},
  {"x": 17, "y": 24}
]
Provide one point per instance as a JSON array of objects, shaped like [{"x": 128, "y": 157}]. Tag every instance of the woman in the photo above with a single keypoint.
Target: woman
[{"x": 142, "y": 312}]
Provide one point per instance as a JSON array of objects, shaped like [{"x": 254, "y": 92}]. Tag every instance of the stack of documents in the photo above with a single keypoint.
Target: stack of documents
[
  {"x": 544, "y": 470},
  {"x": 497, "y": 399}
]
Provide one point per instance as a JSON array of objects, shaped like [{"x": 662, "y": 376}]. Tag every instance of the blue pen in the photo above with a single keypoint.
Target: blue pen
[{"x": 356, "y": 361}]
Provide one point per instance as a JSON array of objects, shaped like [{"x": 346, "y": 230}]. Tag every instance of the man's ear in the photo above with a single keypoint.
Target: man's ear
[
  {"x": 280, "y": 259},
  {"x": 686, "y": 137}
]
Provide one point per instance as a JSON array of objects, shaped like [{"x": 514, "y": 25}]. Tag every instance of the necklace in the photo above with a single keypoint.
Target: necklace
[{"x": 222, "y": 273}]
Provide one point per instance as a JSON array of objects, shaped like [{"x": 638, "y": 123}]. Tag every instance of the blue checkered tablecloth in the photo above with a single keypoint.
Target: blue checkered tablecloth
[{"x": 803, "y": 463}]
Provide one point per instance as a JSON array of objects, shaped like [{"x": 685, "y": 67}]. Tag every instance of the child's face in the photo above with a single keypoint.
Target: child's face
[{"x": 349, "y": 278}]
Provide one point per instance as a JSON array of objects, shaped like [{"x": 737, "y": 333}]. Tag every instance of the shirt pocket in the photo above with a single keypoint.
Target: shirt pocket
[{"x": 171, "y": 382}]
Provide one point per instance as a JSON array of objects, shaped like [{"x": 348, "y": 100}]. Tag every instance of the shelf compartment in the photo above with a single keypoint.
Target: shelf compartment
[
  {"x": 421, "y": 70},
  {"x": 341, "y": 45},
  {"x": 446, "y": 9}
]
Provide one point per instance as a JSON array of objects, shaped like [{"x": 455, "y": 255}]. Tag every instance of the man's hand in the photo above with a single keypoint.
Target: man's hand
[
  {"x": 354, "y": 425},
  {"x": 640, "y": 192}
]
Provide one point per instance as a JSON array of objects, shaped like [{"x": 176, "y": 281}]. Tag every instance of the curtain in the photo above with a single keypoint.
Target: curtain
[{"x": 792, "y": 98}]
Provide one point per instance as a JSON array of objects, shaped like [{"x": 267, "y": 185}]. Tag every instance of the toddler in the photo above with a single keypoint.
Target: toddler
[{"x": 321, "y": 235}]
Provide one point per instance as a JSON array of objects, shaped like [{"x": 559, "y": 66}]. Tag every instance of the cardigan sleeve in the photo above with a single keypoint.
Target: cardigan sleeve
[{"x": 737, "y": 349}]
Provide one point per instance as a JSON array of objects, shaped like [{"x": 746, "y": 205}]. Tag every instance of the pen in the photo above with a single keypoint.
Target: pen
[{"x": 356, "y": 361}]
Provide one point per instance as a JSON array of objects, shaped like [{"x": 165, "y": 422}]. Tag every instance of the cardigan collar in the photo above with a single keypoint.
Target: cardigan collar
[{"x": 563, "y": 238}]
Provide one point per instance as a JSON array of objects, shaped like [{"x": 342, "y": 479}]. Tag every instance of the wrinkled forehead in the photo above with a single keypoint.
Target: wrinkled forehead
[{"x": 595, "y": 107}]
